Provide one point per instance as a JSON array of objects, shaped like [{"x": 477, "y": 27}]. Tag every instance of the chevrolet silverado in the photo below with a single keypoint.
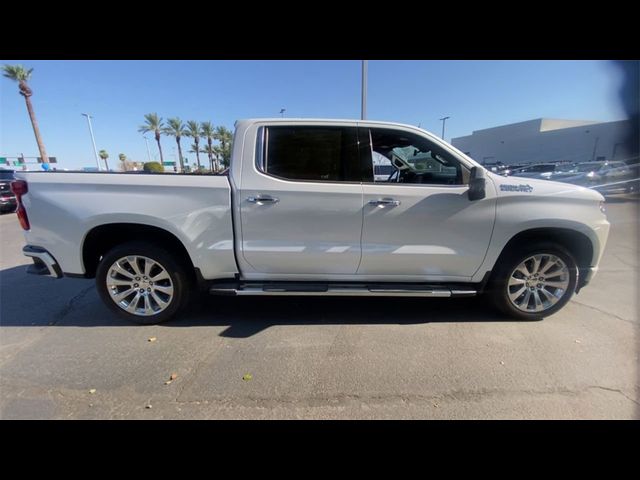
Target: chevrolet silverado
[{"x": 300, "y": 211}]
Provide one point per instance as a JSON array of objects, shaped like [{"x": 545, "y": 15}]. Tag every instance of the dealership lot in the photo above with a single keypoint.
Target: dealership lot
[{"x": 64, "y": 355}]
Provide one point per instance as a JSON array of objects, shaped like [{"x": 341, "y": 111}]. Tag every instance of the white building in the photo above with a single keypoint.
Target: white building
[{"x": 548, "y": 140}]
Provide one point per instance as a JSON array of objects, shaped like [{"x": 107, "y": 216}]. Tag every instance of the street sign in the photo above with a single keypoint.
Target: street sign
[
  {"x": 51, "y": 160},
  {"x": 3, "y": 160},
  {"x": 168, "y": 164}
]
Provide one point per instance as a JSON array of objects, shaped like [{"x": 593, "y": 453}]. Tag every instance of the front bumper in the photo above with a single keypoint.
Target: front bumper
[
  {"x": 43, "y": 262},
  {"x": 585, "y": 276}
]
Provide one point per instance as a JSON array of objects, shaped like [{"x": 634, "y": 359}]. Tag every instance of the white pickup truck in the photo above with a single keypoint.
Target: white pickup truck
[{"x": 300, "y": 212}]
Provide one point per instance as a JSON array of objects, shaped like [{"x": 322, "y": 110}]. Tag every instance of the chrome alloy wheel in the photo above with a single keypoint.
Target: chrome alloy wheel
[
  {"x": 538, "y": 283},
  {"x": 139, "y": 285}
]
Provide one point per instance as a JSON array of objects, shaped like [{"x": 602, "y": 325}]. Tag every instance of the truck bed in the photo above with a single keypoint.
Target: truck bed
[{"x": 63, "y": 208}]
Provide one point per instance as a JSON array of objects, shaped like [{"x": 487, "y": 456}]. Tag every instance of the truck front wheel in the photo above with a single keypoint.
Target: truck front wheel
[
  {"x": 142, "y": 282},
  {"x": 534, "y": 281}
]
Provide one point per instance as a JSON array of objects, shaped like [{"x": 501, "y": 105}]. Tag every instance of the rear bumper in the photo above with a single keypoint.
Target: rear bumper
[{"x": 43, "y": 262}]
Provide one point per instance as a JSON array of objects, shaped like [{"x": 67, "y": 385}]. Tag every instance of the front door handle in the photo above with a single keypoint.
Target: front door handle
[
  {"x": 385, "y": 202},
  {"x": 262, "y": 199}
]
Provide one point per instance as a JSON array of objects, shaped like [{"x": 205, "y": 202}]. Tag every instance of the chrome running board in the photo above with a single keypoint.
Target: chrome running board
[{"x": 351, "y": 291}]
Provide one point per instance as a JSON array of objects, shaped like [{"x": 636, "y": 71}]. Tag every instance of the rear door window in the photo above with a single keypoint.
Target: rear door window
[{"x": 312, "y": 153}]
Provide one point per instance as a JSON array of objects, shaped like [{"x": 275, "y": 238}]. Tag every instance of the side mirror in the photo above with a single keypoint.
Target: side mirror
[{"x": 477, "y": 184}]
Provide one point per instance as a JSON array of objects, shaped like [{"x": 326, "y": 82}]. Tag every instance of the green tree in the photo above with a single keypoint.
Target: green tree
[
  {"x": 194, "y": 131},
  {"x": 176, "y": 129},
  {"x": 154, "y": 125},
  {"x": 153, "y": 167},
  {"x": 19, "y": 74},
  {"x": 104, "y": 155},
  {"x": 208, "y": 131},
  {"x": 224, "y": 136}
]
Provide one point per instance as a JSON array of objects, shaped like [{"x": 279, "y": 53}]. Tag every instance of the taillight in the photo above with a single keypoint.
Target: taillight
[{"x": 19, "y": 188}]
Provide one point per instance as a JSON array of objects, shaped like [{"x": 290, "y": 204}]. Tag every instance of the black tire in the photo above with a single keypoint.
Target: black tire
[
  {"x": 497, "y": 290},
  {"x": 179, "y": 278}
]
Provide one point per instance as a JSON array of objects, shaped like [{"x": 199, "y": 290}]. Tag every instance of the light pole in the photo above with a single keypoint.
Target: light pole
[
  {"x": 93, "y": 140},
  {"x": 595, "y": 147},
  {"x": 363, "y": 112},
  {"x": 443, "y": 120},
  {"x": 146, "y": 140},
  {"x": 282, "y": 110}
]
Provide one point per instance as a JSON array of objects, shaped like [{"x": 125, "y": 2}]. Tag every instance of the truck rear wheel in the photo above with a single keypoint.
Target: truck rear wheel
[
  {"x": 535, "y": 281},
  {"x": 142, "y": 282}
]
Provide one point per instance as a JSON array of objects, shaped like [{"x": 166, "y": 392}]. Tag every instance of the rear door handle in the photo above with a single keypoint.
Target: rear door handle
[
  {"x": 385, "y": 202},
  {"x": 262, "y": 199}
]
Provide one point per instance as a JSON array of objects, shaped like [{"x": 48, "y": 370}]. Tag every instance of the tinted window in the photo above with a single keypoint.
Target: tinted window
[
  {"x": 6, "y": 175},
  {"x": 413, "y": 159},
  {"x": 327, "y": 154}
]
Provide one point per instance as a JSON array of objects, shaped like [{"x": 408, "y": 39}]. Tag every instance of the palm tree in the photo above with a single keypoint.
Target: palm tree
[
  {"x": 210, "y": 150},
  {"x": 104, "y": 155},
  {"x": 193, "y": 131},
  {"x": 176, "y": 129},
  {"x": 153, "y": 124},
  {"x": 19, "y": 74},
  {"x": 196, "y": 149},
  {"x": 224, "y": 136},
  {"x": 217, "y": 152},
  {"x": 208, "y": 132}
]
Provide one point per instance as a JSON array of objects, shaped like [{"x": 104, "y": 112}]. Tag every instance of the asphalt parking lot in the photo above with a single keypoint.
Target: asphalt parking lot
[{"x": 64, "y": 355}]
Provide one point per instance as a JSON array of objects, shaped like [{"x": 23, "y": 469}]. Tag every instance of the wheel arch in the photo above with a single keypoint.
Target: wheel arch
[
  {"x": 575, "y": 242},
  {"x": 102, "y": 238}
]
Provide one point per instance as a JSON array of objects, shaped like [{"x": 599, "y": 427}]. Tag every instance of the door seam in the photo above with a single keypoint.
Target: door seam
[{"x": 361, "y": 228}]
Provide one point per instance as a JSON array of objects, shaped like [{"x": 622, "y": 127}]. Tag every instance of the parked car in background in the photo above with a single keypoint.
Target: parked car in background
[
  {"x": 382, "y": 168},
  {"x": 633, "y": 184},
  {"x": 505, "y": 172},
  {"x": 605, "y": 177},
  {"x": 497, "y": 167},
  {"x": 382, "y": 172},
  {"x": 7, "y": 197},
  {"x": 535, "y": 171}
]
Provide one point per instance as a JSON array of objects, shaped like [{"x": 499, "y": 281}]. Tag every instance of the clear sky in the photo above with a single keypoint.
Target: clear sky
[{"x": 475, "y": 94}]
